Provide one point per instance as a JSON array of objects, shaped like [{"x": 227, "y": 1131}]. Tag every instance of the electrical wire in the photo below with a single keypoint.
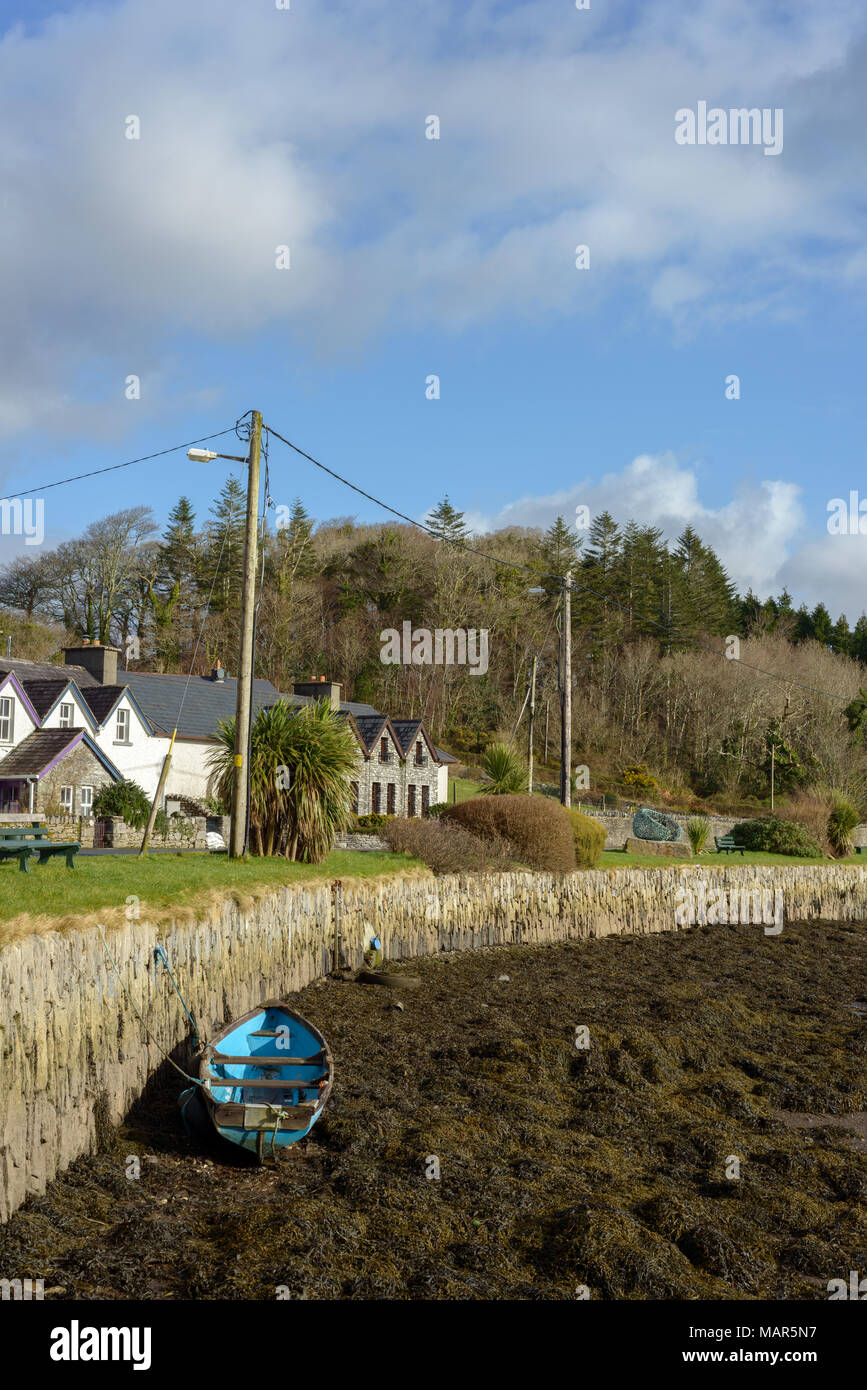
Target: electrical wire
[
  {"x": 113, "y": 468},
  {"x": 672, "y": 633}
]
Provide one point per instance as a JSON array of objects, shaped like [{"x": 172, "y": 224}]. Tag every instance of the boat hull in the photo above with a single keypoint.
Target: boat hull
[{"x": 264, "y": 1079}]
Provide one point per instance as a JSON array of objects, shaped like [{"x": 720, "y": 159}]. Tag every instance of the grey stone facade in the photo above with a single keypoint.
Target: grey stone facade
[
  {"x": 78, "y": 769},
  {"x": 409, "y": 780}
]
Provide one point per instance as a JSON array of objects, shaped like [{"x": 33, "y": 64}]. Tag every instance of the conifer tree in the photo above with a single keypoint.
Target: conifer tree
[
  {"x": 446, "y": 523},
  {"x": 223, "y": 560}
]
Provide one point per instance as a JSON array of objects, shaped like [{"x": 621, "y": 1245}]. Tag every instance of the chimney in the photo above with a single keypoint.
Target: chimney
[
  {"x": 219, "y": 672},
  {"x": 320, "y": 688},
  {"x": 100, "y": 661}
]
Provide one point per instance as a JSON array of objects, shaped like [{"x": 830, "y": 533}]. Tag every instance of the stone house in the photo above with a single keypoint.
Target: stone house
[{"x": 74, "y": 727}]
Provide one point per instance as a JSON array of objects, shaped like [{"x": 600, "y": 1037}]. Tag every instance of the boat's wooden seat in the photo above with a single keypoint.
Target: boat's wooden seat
[
  {"x": 283, "y": 1061},
  {"x": 273, "y": 1084}
]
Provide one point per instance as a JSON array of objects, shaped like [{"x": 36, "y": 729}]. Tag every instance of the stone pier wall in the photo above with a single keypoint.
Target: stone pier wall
[{"x": 72, "y": 1046}]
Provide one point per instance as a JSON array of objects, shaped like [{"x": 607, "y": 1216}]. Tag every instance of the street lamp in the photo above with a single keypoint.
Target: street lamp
[
  {"x": 243, "y": 710},
  {"x": 208, "y": 455}
]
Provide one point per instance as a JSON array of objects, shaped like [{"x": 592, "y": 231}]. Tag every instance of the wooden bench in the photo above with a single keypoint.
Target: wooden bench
[
  {"x": 25, "y": 844},
  {"x": 20, "y": 850},
  {"x": 726, "y": 845}
]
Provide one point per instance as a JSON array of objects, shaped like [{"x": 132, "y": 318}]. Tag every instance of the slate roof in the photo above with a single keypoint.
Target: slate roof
[
  {"x": 102, "y": 699},
  {"x": 207, "y": 701},
  {"x": 46, "y": 671},
  {"x": 370, "y": 727},
  {"x": 42, "y": 694},
  {"x": 407, "y": 731},
  {"x": 35, "y": 752}
]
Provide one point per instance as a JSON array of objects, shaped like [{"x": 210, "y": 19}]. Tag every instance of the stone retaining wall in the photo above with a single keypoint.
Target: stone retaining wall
[
  {"x": 618, "y": 825},
  {"x": 71, "y": 1046}
]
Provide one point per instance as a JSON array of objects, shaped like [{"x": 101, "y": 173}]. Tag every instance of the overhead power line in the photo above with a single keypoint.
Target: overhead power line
[
  {"x": 113, "y": 468},
  {"x": 671, "y": 633}
]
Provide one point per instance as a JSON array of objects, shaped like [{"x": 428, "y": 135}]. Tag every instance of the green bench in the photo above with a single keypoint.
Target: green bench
[
  {"x": 726, "y": 845},
  {"x": 861, "y": 849},
  {"x": 25, "y": 843}
]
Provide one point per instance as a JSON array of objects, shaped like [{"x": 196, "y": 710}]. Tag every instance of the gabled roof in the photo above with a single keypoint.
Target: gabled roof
[
  {"x": 372, "y": 727},
  {"x": 103, "y": 698},
  {"x": 205, "y": 702},
  {"x": 46, "y": 695},
  {"x": 9, "y": 678},
  {"x": 409, "y": 731},
  {"x": 42, "y": 750}
]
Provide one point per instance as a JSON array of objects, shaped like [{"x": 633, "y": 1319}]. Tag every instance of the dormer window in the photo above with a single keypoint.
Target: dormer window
[
  {"x": 121, "y": 734},
  {"x": 419, "y": 754},
  {"x": 7, "y": 719},
  {"x": 65, "y": 717},
  {"x": 384, "y": 751}
]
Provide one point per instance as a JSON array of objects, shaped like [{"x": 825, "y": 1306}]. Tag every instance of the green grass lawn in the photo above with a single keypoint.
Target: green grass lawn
[
  {"x": 167, "y": 881},
  {"x": 619, "y": 859},
  {"x": 462, "y": 789}
]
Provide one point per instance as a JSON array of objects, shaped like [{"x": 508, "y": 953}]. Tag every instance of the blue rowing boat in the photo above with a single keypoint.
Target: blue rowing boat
[{"x": 264, "y": 1080}]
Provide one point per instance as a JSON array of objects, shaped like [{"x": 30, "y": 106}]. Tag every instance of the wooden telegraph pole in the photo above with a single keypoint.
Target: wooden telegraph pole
[
  {"x": 532, "y": 727},
  {"x": 243, "y": 708},
  {"x": 566, "y": 695}
]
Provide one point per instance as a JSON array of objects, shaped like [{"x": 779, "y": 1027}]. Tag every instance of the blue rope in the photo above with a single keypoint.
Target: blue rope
[{"x": 160, "y": 956}]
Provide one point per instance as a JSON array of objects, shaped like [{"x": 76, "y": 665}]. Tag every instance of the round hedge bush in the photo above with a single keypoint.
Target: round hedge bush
[
  {"x": 539, "y": 828},
  {"x": 589, "y": 836}
]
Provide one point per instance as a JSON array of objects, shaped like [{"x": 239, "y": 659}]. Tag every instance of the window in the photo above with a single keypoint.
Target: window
[
  {"x": 375, "y": 792},
  {"x": 66, "y": 798},
  {"x": 7, "y": 721},
  {"x": 354, "y": 798},
  {"x": 389, "y": 804},
  {"x": 384, "y": 751},
  {"x": 85, "y": 800},
  {"x": 122, "y": 731},
  {"x": 410, "y": 801},
  {"x": 419, "y": 754},
  {"x": 425, "y": 800},
  {"x": 65, "y": 721}
]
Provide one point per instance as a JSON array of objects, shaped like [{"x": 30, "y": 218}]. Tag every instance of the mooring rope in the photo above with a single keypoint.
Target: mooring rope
[
  {"x": 194, "y": 1080},
  {"x": 160, "y": 955}
]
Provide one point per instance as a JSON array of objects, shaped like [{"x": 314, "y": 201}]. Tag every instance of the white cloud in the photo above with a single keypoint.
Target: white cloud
[
  {"x": 262, "y": 127},
  {"x": 753, "y": 534}
]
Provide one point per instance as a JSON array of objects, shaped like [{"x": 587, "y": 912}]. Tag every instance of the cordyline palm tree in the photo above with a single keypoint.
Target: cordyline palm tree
[
  {"x": 317, "y": 750},
  {"x": 506, "y": 770}
]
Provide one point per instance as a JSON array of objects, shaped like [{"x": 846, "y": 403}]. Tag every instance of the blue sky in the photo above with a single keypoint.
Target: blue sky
[{"x": 454, "y": 257}]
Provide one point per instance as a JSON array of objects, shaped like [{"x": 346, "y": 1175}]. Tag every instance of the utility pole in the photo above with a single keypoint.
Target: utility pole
[
  {"x": 243, "y": 708},
  {"x": 566, "y": 695},
  {"x": 532, "y": 727},
  {"x": 773, "y": 747}
]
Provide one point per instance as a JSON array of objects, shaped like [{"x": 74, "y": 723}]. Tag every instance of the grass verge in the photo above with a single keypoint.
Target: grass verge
[{"x": 55, "y": 898}]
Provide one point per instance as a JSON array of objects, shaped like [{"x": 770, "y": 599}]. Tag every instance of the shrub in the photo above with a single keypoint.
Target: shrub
[
  {"x": 505, "y": 769},
  {"x": 447, "y": 848},
  {"x": 301, "y": 763},
  {"x": 538, "y": 828},
  {"x": 770, "y": 835},
  {"x": 369, "y": 824},
  {"x": 841, "y": 822},
  {"x": 636, "y": 775},
  {"x": 589, "y": 837},
  {"x": 126, "y": 800},
  {"x": 812, "y": 809},
  {"x": 698, "y": 830},
  {"x": 437, "y": 809}
]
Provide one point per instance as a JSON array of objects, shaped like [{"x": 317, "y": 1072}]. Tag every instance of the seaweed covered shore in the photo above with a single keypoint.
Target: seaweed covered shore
[{"x": 709, "y": 1142}]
